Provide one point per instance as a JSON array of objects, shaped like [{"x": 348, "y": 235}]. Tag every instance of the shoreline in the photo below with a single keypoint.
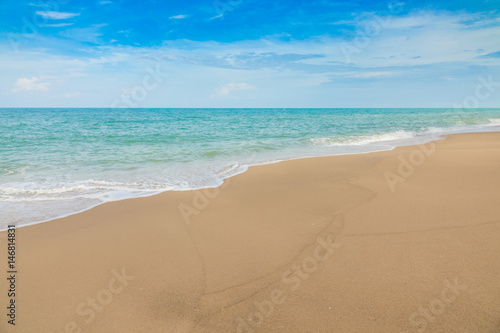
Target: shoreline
[
  {"x": 429, "y": 137},
  {"x": 356, "y": 242}
]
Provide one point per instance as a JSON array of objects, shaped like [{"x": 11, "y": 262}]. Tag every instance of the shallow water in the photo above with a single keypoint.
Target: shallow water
[{"x": 55, "y": 162}]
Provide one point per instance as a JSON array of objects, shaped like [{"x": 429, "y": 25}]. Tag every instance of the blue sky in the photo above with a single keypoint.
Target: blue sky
[{"x": 249, "y": 53}]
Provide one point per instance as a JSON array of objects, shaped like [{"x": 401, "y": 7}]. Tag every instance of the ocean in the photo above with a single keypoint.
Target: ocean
[{"x": 56, "y": 162}]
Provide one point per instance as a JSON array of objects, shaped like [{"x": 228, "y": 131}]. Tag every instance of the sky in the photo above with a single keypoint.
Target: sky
[{"x": 249, "y": 53}]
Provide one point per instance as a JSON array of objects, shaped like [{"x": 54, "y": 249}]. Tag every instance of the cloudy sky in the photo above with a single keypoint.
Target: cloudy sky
[{"x": 248, "y": 53}]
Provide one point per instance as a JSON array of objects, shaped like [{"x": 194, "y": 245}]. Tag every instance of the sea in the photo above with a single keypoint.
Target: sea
[{"x": 56, "y": 162}]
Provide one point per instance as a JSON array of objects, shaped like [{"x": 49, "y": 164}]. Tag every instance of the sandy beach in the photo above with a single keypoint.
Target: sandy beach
[{"x": 395, "y": 241}]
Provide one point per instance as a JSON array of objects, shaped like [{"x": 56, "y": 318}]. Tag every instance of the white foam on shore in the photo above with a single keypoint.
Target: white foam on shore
[
  {"x": 363, "y": 140},
  {"x": 89, "y": 188}
]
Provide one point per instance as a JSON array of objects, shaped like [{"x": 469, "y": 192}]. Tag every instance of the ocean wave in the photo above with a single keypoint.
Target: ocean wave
[
  {"x": 363, "y": 140},
  {"x": 230, "y": 170},
  {"x": 81, "y": 189}
]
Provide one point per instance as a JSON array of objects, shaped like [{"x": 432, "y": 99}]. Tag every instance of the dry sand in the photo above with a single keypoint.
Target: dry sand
[{"x": 312, "y": 245}]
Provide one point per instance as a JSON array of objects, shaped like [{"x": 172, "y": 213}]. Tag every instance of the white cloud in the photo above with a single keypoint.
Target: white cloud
[
  {"x": 230, "y": 87},
  {"x": 216, "y": 16},
  {"x": 177, "y": 17},
  {"x": 420, "y": 38},
  {"x": 90, "y": 34},
  {"x": 56, "y": 15},
  {"x": 57, "y": 25},
  {"x": 33, "y": 84}
]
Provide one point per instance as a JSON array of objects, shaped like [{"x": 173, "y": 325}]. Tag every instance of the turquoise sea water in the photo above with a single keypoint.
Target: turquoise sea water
[{"x": 55, "y": 162}]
